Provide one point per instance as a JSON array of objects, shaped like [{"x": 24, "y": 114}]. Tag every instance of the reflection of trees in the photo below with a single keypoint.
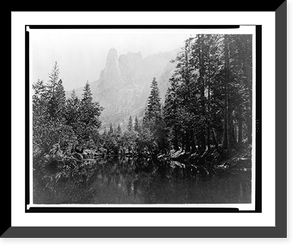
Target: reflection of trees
[
  {"x": 122, "y": 176},
  {"x": 129, "y": 180}
]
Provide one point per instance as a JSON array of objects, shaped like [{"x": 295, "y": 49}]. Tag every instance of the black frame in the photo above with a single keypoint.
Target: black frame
[{"x": 280, "y": 230}]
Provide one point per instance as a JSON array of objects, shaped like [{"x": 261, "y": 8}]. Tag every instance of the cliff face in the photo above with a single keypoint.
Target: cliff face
[
  {"x": 123, "y": 86},
  {"x": 124, "y": 83}
]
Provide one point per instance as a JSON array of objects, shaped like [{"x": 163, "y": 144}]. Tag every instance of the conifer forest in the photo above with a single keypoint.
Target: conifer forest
[{"x": 191, "y": 143}]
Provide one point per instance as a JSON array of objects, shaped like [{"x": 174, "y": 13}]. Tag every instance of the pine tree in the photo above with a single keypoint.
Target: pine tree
[
  {"x": 40, "y": 118},
  {"x": 87, "y": 94},
  {"x": 89, "y": 114},
  {"x": 55, "y": 95},
  {"x": 111, "y": 130},
  {"x": 243, "y": 73},
  {"x": 60, "y": 99},
  {"x": 90, "y": 111},
  {"x": 130, "y": 125},
  {"x": 136, "y": 125},
  {"x": 183, "y": 95},
  {"x": 72, "y": 111},
  {"x": 171, "y": 114},
  {"x": 39, "y": 98},
  {"x": 54, "y": 76},
  {"x": 153, "y": 119},
  {"x": 119, "y": 131},
  {"x": 153, "y": 109},
  {"x": 226, "y": 92}
]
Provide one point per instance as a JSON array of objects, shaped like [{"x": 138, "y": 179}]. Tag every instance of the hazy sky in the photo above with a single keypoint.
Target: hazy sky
[{"x": 81, "y": 54}]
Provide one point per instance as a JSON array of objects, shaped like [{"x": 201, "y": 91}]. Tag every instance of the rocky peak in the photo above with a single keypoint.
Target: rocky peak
[
  {"x": 112, "y": 56},
  {"x": 124, "y": 84},
  {"x": 111, "y": 72},
  {"x": 132, "y": 59}
]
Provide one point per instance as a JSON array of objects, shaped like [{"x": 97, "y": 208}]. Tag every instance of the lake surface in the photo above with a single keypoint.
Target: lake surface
[{"x": 138, "y": 181}]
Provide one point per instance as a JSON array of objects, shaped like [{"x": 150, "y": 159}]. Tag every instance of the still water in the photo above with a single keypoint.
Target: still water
[{"x": 138, "y": 181}]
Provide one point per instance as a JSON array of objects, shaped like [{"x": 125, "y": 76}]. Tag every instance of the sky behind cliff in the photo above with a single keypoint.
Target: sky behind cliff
[{"x": 82, "y": 55}]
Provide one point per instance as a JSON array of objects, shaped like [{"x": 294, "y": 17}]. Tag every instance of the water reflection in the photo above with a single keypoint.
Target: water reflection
[
  {"x": 129, "y": 181},
  {"x": 120, "y": 181},
  {"x": 142, "y": 181}
]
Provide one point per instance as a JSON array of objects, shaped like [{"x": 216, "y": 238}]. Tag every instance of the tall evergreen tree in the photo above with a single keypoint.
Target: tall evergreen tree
[
  {"x": 89, "y": 113},
  {"x": 183, "y": 94},
  {"x": 226, "y": 93},
  {"x": 119, "y": 131},
  {"x": 60, "y": 99},
  {"x": 153, "y": 109},
  {"x": 171, "y": 114},
  {"x": 136, "y": 125},
  {"x": 55, "y": 94},
  {"x": 87, "y": 95},
  {"x": 111, "y": 130},
  {"x": 242, "y": 67},
  {"x": 54, "y": 76},
  {"x": 130, "y": 124},
  {"x": 153, "y": 119},
  {"x": 72, "y": 111}
]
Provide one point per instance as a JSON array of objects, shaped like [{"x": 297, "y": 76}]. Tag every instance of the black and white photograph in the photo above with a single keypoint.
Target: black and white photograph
[
  {"x": 167, "y": 124},
  {"x": 142, "y": 116}
]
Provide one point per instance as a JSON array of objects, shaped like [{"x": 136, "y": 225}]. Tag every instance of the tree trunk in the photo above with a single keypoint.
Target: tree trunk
[
  {"x": 225, "y": 127},
  {"x": 176, "y": 140},
  {"x": 215, "y": 139},
  {"x": 248, "y": 84},
  {"x": 209, "y": 103},
  {"x": 225, "y": 134},
  {"x": 240, "y": 130},
  {"x": 199, "y": 145},
  {"x": 201, "y": 83},
  {"x": 202, "y": 141},
  {"x": 193, "y": 145},
  {"x": 249, "y": 129},
  {"x": 187, "y": 142},
  {"x": 203, "y": 99},
  {"x": 231, "y": 131},
  {"x": 208, "y": 136},
  {"x": 183, "y": 141},
  {"x": 232, "y": 137}
]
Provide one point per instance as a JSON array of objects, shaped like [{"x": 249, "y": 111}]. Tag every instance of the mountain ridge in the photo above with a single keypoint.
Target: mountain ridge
[{"x": 124, "y": 84}]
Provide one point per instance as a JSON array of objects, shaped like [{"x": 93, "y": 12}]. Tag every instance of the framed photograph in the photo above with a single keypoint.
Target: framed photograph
[{"x": 141, "y": 125}]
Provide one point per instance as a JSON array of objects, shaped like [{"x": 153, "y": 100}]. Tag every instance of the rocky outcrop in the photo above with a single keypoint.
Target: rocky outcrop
[{"x": 124, "y": 83}]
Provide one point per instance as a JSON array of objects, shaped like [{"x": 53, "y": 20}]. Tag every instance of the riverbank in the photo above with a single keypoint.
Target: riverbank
[{"x": 217, "y": 159}]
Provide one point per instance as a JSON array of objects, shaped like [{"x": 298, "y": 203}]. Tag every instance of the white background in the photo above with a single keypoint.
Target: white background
[{"x": 266, "y": 218}]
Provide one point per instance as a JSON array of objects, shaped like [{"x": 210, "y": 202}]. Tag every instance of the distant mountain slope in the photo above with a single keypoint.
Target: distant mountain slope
[{"x": 124, "y": 84}]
